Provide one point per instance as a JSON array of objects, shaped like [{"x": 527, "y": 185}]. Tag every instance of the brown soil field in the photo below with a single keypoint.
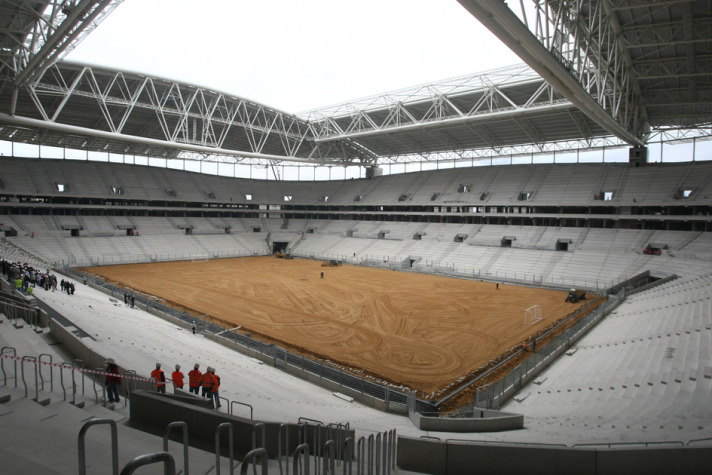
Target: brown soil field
[{"x": 418, "y": 330}]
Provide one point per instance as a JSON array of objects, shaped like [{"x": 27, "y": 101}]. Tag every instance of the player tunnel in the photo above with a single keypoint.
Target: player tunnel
[{"x": 279, "y": 247}]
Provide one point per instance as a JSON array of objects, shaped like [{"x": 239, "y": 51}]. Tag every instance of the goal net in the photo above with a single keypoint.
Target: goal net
[{"x": 532, "y": 314}]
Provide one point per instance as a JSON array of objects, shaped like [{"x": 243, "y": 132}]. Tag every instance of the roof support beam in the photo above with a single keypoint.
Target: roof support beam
[
  {"x": 499, "y": 19},
  {"x": 113, "y": 136}
]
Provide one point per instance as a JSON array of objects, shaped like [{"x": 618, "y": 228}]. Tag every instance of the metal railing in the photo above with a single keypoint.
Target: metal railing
[{"x": 37, "y": 374}]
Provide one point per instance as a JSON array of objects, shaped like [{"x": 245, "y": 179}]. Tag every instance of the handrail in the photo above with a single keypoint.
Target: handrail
[
  {"x": 96, "y": 393},
  {"x": 500, "y": 442},
  {"x": 340, "y": 431},
  {"x": 328, "y": 456},
  {"x": 241, "y": 404},
  {"x": 51, "y": 373},
  {"x": 217, "y": 446},
  {"x": 22, "y": 371},
  {"x": 2, "y": 364},
  {"x": 299, "y": 421},
  {"x": 255, "y": 428},
  {"x": 631, "y": 444},
  {"x": 360, "y": 455},
  {"x": 132, "y": 383},
  {"x": 394, "y": 449},
  {"x": 283, "y": 428},
  {"x": 166, "y": 433},
  {"x": 169, "y": 465},
  {"x": 348, "y": 456},
  {"x": 114, "y": 445},
  {"x": 252, "y": 454},
  {"x": 378, "y": 453},
  {"x": 62, "y": 367},
  {"x": 301, "y": 450},
  {"x": 80, "y": 365}
]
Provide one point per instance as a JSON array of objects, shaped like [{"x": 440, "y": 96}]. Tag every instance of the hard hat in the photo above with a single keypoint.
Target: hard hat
[{"x": 110, "y": 361}]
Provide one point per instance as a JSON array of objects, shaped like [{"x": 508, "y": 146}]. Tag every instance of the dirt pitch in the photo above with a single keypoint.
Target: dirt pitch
[{"x": 419, "y": 330}]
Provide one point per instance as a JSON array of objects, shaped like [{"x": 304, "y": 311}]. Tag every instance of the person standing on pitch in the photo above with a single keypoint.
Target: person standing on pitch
[
  {"x": 195, "y": 378},
  {"x": 112, "y": 380},
  {"x": 177, "y": 378},
  {"x": 214, "y": 390},
  {"x": 207, "y": 383},
  {"x": 160, "y": 378}
]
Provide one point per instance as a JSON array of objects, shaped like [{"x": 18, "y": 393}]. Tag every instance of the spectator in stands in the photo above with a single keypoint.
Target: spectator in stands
[
  {"x": 112, "y": 380},
  {"x": 207, "y": 383},
  {"x": 214, "y": 389},
  {"x": 160, "y": 378},
  {"x": 195, "y": 379},
  {"x": 177, "y": 378}
]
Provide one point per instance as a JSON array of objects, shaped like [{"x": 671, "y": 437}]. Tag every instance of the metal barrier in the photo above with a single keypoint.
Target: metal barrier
[
  {"x": 228, "y": 426},
  {"x": 51, "y": 373},
  {"x": 22, "y": 370},
  {"x": 300, "y": 460},
  {"x": 375, "y": 454},
  {"x": 283, "y": 448},
  {"x": 166, "y": 433},
  {"x": 251, "y": 455},
  {"x": 5, "y": 351},
  {"x": 328, "y": 456},
  {"x": 44, "y": 368},
  {"x": 74, "y": 382},
  {"x": 114, "y": 445},
  {"x": 169, "y": 465}
]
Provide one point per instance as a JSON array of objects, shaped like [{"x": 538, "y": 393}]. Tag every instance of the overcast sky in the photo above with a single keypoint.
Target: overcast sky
[{"x": 295, "y": 55}]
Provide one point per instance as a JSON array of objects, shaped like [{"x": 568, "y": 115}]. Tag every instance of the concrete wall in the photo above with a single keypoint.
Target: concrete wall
[
  {"x": 464, "y": 458},
  {"x": 481, "y": 421}
]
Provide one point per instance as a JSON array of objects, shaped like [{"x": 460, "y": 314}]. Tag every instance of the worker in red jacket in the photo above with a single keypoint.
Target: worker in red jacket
[
  {"x": 160, "y": 378},
  {"x": 177, "y": 378},
  {"x": 195, "y": 379},
  {"x": 207, "y": 383}
]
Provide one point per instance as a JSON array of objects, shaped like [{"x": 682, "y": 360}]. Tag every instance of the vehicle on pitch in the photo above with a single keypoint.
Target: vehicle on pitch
[{"x": 575, "y": 295}]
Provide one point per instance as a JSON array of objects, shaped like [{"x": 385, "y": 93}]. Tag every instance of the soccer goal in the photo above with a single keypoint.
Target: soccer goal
[{"x": 532, "y": 315}]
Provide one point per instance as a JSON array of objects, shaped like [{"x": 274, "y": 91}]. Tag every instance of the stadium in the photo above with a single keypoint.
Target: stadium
[{"x": 536, "y": 238}]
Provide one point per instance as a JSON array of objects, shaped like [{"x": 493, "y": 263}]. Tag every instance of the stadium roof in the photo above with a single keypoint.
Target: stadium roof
[{"x": 614, "y": 71}]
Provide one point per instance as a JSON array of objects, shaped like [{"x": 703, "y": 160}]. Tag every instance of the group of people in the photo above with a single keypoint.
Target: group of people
[
  {"x": 208, "y": 381},
  {"x": 67, "y": 286},
  {"x": 129, "y": 299},
  {"x": 26, "y": 277}
]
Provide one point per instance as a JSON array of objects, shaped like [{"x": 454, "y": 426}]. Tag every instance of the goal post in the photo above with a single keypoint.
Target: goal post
[{"x": 532, "y": 315}]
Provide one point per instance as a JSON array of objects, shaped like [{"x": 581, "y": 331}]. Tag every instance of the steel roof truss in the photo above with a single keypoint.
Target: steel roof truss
[{"x": 588, "y": 40}]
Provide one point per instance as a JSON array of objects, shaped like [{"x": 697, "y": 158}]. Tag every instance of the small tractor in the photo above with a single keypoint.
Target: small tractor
[
  {"x": 331, "y": 263},
  {"x": 575, "y": 295}
]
